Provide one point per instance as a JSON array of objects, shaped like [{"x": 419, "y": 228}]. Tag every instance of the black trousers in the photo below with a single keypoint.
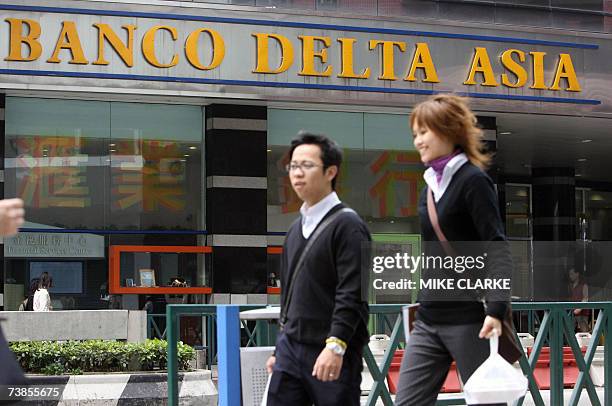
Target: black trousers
[{"x": 292, "y": 382}]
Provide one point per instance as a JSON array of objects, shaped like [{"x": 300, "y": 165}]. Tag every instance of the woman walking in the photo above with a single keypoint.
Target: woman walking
[{"x": 462, "y": 207}]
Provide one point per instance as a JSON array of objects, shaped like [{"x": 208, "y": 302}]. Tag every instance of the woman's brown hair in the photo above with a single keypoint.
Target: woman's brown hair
[{"x": 449, "y": 116}]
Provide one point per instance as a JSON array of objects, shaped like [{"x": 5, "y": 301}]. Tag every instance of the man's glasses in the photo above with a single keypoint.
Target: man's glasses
[{"x": 304, "y": 166}]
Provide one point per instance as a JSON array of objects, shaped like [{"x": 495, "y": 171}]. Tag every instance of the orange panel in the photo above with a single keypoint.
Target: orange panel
[
  {"x": 114, "y": 271},
  {"x": 162, "y": 290},
  {"x": 162, "y": 248},
  {"x": 275, "y": 250},
  {"x": 272, "y": 290}
]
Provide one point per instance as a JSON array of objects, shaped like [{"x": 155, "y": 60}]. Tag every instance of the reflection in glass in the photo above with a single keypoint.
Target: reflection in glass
[
  {"x": 518, "y": 211},
  {"x": 55, "y": 154},
  {"x": 99, "y": 165},
  {"x": 381, "y": 176},
  {"x": 599, "y": 214}
]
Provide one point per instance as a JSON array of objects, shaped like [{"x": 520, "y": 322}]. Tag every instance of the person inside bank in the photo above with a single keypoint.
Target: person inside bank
[
  {"x": 42, "y": 299},
  {"x": 459, "y": 203},
  {"x": 579, "y": 292}
]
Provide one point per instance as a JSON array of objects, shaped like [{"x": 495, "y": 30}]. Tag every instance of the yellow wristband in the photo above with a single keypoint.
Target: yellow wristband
[{"x": 336, "y": 340}]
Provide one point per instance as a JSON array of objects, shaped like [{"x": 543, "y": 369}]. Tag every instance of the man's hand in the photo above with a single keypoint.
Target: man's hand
[
  {"x": 328, "y": 366},
  {"x": 490, "y": 324},
  {"x": 11, "y": 216},
  {"x": 270, "y": 364}
]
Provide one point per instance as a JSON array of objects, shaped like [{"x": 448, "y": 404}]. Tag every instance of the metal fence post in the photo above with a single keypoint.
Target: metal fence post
[
  {"x": 608, "y": 357},
  {"x": 228, "y": 355},
  {"x": 556, "y": 356},
  {"x": 171, "y": 335}
]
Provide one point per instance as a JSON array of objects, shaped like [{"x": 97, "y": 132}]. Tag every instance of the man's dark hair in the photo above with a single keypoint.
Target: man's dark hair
[{"x": 331, "y": 154}]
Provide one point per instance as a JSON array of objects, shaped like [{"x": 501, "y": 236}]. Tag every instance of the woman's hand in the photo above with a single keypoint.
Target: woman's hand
[
  {"x": 490, "y": 325},
  {"x": 270, "y": 364}
]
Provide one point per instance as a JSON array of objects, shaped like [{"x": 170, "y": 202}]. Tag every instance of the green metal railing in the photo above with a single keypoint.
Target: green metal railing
[
  {"x": 173, "y": 313},
  {"x": 261, "y": 334},
  {"x": 555, "y": 329},
  {"x": 153, "y": 328}
]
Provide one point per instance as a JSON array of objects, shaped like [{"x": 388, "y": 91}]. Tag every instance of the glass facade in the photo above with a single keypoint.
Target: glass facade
[
  {"x": 93, "y": 165},
  {"x": 95, "y": 174},
  {"x": 380, "y": 177}
]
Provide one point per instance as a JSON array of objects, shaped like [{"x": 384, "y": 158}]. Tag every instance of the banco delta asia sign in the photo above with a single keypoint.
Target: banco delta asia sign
[{"x": 205, "y": 50}]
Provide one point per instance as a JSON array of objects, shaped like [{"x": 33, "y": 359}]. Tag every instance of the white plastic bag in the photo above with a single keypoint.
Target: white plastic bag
[
  {"x": 264, "y": 398},
  {"x": 495, "y": 381}
]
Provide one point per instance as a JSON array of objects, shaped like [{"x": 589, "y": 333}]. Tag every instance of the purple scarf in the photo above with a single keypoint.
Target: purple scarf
[{"x": 439, "y": 164}]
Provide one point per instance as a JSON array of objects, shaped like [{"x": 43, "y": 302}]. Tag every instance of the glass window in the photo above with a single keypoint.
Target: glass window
[
  {"x": 99, "y": 165},
  {"x": 392, "y": 174},
  {"x": 518, "y": 210},
  {"x": 595, "y": 5},
  {"x": 581, "y": 220},
  {"x": 145, "y": 269},
  {"x": 56, "y": 160},
  {"x": 599, "y": 215},
  {"x": 283, "y": 125},
  {"x": 156, "y": 159},
  {"x": 380, "y": 177}
]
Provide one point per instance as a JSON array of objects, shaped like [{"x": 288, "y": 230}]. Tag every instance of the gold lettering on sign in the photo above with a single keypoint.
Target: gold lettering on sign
[
  {"x": 565, "y": 70},
  {"x": 481, "y": 64},
  {"x": 17, "y": 37},
  {"x": 262, "y": 62},
  {"x": 69, "y": 39},
  {"x": 538, "y": 70},
  {"x": 514, "y": 67},
  {"x": 218, "y": 49},
  {"x": 148, "y": 46},
  {"x": 346, "y": 52},
  {"x": 422, "y": 60},
  {"x": 309, "y": 54},
  {"x": 125, "y": 52},
  {"x": 388, "y": 60}
]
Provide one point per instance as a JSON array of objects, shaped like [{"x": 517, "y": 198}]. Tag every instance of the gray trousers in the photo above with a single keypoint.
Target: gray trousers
[{"x": 429, "y": 353}]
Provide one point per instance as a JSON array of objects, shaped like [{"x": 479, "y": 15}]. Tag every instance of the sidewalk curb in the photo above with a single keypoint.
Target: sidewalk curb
[{"x": 195, "y": 388}]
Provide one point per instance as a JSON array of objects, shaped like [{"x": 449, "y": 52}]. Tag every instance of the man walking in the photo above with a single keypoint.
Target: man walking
[{"x": 318, "y": 356}]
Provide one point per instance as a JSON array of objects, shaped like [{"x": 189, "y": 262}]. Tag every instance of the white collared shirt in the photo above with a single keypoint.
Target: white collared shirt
[
  {"x": 447, "y": 175},
  {"x": 311, "y": 216}
]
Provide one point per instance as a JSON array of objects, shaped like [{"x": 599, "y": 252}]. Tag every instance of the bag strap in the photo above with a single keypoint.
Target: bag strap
[
  {"x": 433, "y": 219},
  {"x": 298, "y": 267},
  {"x": 446, "y": 246}
]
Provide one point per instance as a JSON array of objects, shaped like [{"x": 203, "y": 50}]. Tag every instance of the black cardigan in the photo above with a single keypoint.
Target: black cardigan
[
  {"x": 468, "y": 211},
  {"x": 327, "y": 298}
]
